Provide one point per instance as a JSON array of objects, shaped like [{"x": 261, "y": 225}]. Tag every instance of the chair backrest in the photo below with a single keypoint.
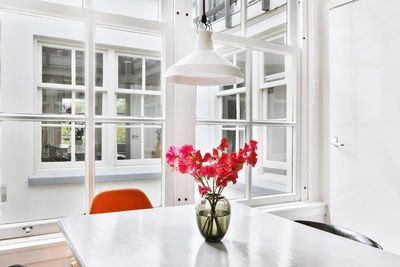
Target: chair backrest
[
  {"x": 336, "y": 230},
  {"x": 120, "y": 200}
]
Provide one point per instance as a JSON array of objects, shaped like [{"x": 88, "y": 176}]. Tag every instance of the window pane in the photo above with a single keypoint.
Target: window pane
[
  {"x": 273, "y": 173},
  {"x": 79, "y": 143},
  {"x": 56, "y": 102},
  {"x": 56, "y": 143},
  {"x": 152, "y": 143},
  {"x": 227, "y": 87},
  {"x": 242, "y": 106},
  {"x": 130, "y": 73},
  {"x": 99, "y": 69},
  {"x": 266, "y": 22},
  {"x": 274, "y": 67},
  {"x": 99, "y": 104},
  {"x": 209, "y": 137},
  {"x": 153, "y": 75},
  {"x": 144, "y": 9},
  {"x": 23, "y": 63},
  {"x": 276, "y": 105},
  {"x": 56, "y": 65},
  {"x": 220, "y": 18},
  {"x": 129, "y": 143},
  {"x": 98, "y": 143},
  {"x": 229, "y": 107},
  {"x": 80, "y": 67},
  {"x": 79, "y": 103},
  {"x": 231, "y": 136},
  {"x": 241, "y": 64},
  {"x": 138, "y": 165},
  {"x": 128, "y": 105},
  {"x": 152, "y": 106},
  {"x": 36, "y": 167}
]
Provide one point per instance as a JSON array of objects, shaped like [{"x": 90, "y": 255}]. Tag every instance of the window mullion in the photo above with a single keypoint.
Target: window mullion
[
  {"x": 249, "y": 95},
  {"x": 73, "y": 67},
  {"x": 90, "y": 97},
  {"x": 72, "y": 141}
]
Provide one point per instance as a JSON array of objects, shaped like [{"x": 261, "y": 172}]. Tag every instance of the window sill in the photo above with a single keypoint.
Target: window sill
[
  {"x": 302, "y": 210},
  {"x": 103, "y": 175}
]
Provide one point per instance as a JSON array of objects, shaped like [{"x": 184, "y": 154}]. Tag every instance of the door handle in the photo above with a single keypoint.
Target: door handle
[{"x": 336, "y": 142}]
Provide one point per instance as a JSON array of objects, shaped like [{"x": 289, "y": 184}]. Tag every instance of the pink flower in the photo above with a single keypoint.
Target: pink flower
[
  {"x": 246, "y": 148},
  {"x": 204, "y": 190},
  {"x": 172, "y": 155},
  {"x": 209, "y": 171},
  {"x": 224, "y": 144},
  {"x": 182, "y": 166},
  {"x": 252, "y": 159},
  {"x": 186, "y": 150},
  {"x": 253, "y": 145},
  {"x": 207, "y": 157}
]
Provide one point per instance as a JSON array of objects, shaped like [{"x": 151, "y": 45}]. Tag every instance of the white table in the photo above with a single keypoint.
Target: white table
[{"x": 169, "y": 237}]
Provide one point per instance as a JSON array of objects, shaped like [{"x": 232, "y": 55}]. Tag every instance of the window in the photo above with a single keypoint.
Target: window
[
  {"x": 262, "y": 108},
  {"x": 53, "y": 143},
  {"x": 137, "y": 94},
  {"x": 61, "y": 84}
]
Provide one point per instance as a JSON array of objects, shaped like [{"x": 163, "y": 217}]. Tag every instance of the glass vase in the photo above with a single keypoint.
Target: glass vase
[{"x": 213, "y": 216}]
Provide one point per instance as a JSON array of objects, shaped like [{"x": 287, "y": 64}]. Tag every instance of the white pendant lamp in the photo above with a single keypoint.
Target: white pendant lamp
[{"x": 203, "y": 66}]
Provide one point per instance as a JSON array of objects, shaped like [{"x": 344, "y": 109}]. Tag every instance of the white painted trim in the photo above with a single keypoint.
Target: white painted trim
[{"x": 298, "y": 210}]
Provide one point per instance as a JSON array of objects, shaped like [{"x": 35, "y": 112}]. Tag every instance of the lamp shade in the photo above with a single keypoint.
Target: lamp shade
[{"x": 204, "y": 67}]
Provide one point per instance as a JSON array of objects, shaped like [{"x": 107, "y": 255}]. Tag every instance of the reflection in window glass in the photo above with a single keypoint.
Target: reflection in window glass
[
  {"x": 99, "y": 104},
  {"x": 152, "y": 106},
  {"x": 128, "y": 143},
  {"x": 273, "y": 173},
  {"x": 276, "y": 106},
  {"x": 79, "y": 143},
  {"x": 79, "y": 103},
  {"x": 229, "y": 107},
  {"x": 216, "y": 13},
  {"x": 152, "y": 143},
  {"x": 56, "y": 65},
  {"x": 129, "y": 73},
  {"x": 241, "y": 64},
  {"x": 128, "y": 105},
  {"x": 98, "y": 143},
  {"x": 56, "y": 143},
  {"x": 80, "y": 67},
  {"x": 99, "y": 69},
  {"x": 56, "y": 102},
  {"x": 276, "y": 144},
  {"x": 153, "y": 74},
  {"x": 231, "y": 136},
  {"x": 227, "y": 87},
  {"x": 242, "y": 106},
  {"x": 274, "y": 67}
]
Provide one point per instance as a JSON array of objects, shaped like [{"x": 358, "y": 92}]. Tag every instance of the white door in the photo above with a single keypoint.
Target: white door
[{"x": 364, "y": 108}]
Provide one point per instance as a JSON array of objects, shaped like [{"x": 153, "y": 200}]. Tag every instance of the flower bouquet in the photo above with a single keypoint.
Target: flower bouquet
[{"x": 212, "y": 172}]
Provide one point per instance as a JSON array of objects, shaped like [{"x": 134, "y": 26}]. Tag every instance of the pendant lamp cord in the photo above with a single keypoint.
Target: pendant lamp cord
[{"x": 204, "y": 20}]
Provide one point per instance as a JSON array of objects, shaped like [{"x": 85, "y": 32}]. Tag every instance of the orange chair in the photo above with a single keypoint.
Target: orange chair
[{"x": 120, "y": 200}]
